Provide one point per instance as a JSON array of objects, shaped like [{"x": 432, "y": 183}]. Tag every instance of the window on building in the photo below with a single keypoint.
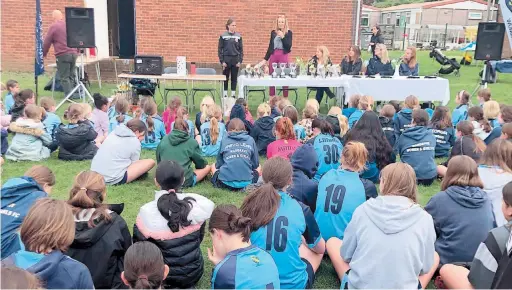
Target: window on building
[
  {"x": 365, "y": 20},
  {"x": 408, "y": 17},
  {"x": 397, "y": 19},
  {"x": 475, "y": 15},
  {"x": 388, "y": 18}
]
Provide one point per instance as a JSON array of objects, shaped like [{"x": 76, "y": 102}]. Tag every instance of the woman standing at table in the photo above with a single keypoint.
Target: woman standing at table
[
  {"x": 321, "y": 58},
  {"x": 409, "y": 64},
  {"x": 279, "y": 47},
  {"x": 380, "y": 64},
  {"x": 376, "y": 38},
  {"x": 352, "y": 63},
  {"x": 231, "y": 55}
]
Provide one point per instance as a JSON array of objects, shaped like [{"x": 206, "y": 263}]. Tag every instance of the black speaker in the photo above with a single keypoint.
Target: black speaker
[
  {"x": 489, "y": 41},
  {"x": 80, "y": 27},
  {"x": 148, "y": 65}
]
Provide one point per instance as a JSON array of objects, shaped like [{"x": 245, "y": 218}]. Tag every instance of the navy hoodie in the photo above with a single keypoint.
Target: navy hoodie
[
  {"x": 305, "y": 163},
  {"x": 239, "y": 112},
  {"x": 263, "y": 133},
  {"x": 55, "y": 270},
  {"x": 402, "y": 121},
  {"x": 416, "y": 147},
  {"x": 463, "y": 218},
  {"x": 237, "y": 158},
  {"x": 5, "y": 143},
  {"x": 388, "y": 126},
  {"x": 445, "y": 139},
  {"x": 18, "y": 195}
]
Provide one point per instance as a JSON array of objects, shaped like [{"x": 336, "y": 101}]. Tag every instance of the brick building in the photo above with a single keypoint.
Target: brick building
[{"x": 190, "y": 28}]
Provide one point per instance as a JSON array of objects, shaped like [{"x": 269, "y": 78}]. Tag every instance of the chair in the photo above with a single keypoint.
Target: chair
[
  {"x": 203, "y": 71},
  {"x": 184, "y": 91}
]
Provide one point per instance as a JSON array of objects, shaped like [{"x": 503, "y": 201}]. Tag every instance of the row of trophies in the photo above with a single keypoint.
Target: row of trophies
[{"x": 320, "y": 71}]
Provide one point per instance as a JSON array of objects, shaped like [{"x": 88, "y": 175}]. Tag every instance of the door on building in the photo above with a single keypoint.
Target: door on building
[{"x": 127, "y": 47}]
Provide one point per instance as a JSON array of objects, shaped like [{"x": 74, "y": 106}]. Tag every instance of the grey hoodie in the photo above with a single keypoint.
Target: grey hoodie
[
  {"x": 119, "y": 150},
  {"x": 388, "y": 243}
]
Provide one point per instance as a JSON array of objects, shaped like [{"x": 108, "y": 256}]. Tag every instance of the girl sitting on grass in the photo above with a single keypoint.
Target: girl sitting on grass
[
  {"x": 365, "y": 104},
  {"x": 30, "y": 140},
  {"x": 155, "y": 125},
  {"x": 230, "y": 233},
  {"x": 491, "y": 112},
  {"x": 294, "y": 241},
  {"x": 285, "y": 144},
  {"x": 175, "y": 223},
  {"x": 47, "y": 232},
  {"x": 180, "y": 147},
  {"x": 77, "y": 140},
  {"x": 118, "y": 157},
  {"x": 144, "y": 267},
  {"x": 121, "y": 116},
  {"x": 462, "y": 212},
  {"x": 403, "y": 118},
  {"x": 327, "y": 147},
  {"x": 18, "y": 195},
  {"x": 482, "y": 127},
  {"x": 21, "y": 100},
  {"x": 442, "y": 128},
  {"x": 334, "y": 208},
  {"x": 391, "y": 227},
  {"x": 292, "y": 113},
  {"x": 238, "y": 162},
  {"x": 202, "y": 115},
  {"x": 171, "y": 113},
  {"x": 211, "y": 132},
  {"x": 101, "y": 235},
  {"x": 460, "y": 113}
]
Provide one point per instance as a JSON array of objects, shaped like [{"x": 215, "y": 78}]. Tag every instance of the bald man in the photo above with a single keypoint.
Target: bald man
[{"x": 66, "y": 57}]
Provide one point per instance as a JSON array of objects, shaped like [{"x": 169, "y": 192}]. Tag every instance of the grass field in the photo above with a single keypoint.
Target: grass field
[{"x": 136, "y": 194}]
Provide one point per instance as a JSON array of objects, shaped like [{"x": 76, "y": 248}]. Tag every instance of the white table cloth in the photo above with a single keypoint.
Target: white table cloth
[
  {"x": 299, "y": 81},
  {"x": 381, "y": 89},
  {"x": 398, "y": 88}
]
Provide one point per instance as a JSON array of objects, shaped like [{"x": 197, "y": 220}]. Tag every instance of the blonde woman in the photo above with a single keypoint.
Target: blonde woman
[
  {"x": 321, "y": 58},
  {"x": 380, "y": 64},
  {"x": 409, "y": 65},
  {"x": 279, "y": 47}
]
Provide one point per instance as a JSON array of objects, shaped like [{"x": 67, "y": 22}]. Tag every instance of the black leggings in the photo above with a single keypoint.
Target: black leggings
[
  {"x": 320, "y": 94},
  {"x": 230, "y": 69}
]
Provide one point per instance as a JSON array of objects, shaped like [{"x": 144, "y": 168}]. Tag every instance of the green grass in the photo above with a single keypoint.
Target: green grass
[{"x": 136, "y": 194}]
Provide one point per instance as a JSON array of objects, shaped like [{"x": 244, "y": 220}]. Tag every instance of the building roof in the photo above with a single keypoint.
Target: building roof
[
  {"x": 428, "y": 4},
  {"x": 370, "y": 7}
]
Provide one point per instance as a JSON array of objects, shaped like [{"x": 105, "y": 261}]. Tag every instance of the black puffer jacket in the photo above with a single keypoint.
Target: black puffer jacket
[
  {"x": 76, "y": 141},
  {"x": 183, "y": 255},
  {"x": 101, "y": 248},
  {"x": 17, "y": 111}
]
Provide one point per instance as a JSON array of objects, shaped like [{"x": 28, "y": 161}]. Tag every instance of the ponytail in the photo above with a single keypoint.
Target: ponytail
[
  {"x": 144, "y": 266},
  {"x": 466, "y": 129},
  {"x": 151, "y": 124},
  {"x": 174, "y": 210},
  {"x": 354, "y": 156},
  {"x": 214, "y": 114},
  {"x": 284, "y": 127},
  {"x": 88, "y": 192},
  {"x": 262, "y": 203},
  {"x": 229, "y": 219},
  {"x": 122, "y": 107},
  {"x": 477, "y": 113}
]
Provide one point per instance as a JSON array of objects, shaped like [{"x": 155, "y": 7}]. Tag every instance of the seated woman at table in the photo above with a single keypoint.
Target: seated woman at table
[
  {"x": 321, "y": 59},
  {"x": 380, "y": 64},
  {"x": 409, "y": 64},
  {"x": 352, "y": 63}
]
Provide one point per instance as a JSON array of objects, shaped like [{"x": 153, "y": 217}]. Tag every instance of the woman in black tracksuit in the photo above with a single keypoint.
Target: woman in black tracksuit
[{"x": 231, "y": 55}]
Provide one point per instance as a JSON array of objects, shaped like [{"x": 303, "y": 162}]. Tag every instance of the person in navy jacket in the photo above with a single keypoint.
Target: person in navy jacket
[
  {"x": 441, "y": 126},
  {"x": 305, "y": 164},
  {"x": 403, "y": 118},
  {"x": 18, "y": 195},
  {"x": 47, "y": 231},
  {"x": 380, "y": 64},
  {"x": 416, "y": 147},
  {"x": 409, "y": 65}
]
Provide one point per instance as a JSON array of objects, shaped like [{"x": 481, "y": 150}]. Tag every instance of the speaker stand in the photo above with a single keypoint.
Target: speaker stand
[
  {"x": 484, "y": 80},
  {"x": 82, "y": 89}
]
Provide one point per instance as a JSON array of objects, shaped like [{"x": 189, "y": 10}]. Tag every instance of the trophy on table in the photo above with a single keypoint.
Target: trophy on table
[
  {"x": 274, "y": 68},
  {"x": 282, "y": 66},
  {"x": 293, "y": 70}
]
